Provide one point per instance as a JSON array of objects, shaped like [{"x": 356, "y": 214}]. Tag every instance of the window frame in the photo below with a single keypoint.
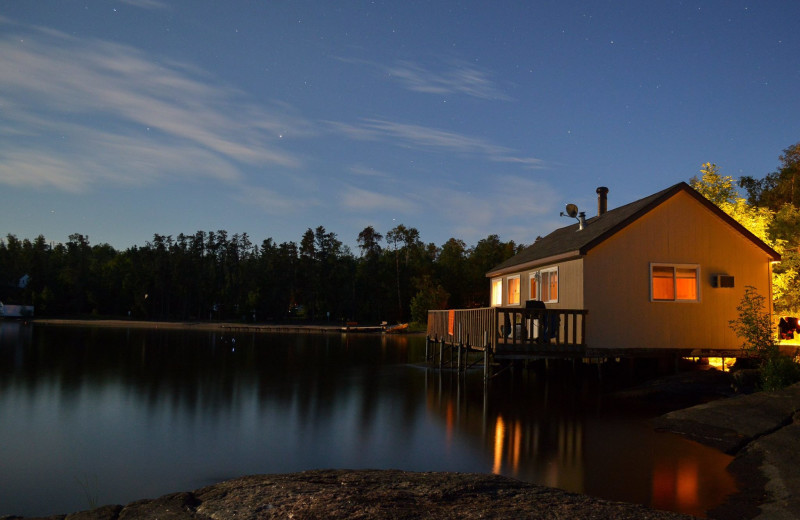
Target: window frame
[
  {"x": 675, "y": 267},
  {"x": 541, "y": 284},
  {"x": 533, "y": 278},
  {"x": 541, "y": 287}
]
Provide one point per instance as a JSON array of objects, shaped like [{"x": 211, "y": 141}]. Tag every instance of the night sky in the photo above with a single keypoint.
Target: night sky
[{"x": 121, "y": 119}]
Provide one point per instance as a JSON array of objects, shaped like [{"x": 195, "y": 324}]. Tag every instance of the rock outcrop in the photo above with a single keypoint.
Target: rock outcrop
[
  {"x": 372, "y": 494},
  {"x": 763, "y": 431}
]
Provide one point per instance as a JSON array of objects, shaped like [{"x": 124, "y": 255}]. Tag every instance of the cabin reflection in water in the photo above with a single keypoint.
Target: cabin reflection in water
[
  {"x": 563, "y": 434},
  {"x": 562, "y": 468}
]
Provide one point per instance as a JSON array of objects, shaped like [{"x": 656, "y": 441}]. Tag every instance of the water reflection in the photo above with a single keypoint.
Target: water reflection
[
  {"x": 555, "y": 428},
  {"x": 147, "y": 412}
]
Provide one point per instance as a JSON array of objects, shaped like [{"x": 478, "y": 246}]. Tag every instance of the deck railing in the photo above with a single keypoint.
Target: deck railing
[
  {"x": 465, "y": 326},
  {"x": 540, "y": 329},
  {"x": 510, "y": 328}
]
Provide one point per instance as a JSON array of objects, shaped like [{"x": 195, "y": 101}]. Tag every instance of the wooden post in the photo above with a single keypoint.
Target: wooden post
[
  {"x": 458, "y": 349},
  {"x": 441, "y": 353},
  {"x": 452, "y": 348},
  {"x": 485, "y": 357},
  {"x": 427, "y": 343},
  {"x": 465, "y": 362}
]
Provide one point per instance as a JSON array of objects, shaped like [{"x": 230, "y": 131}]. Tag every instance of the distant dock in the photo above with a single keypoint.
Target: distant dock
[{"x": 222, "y": 326}]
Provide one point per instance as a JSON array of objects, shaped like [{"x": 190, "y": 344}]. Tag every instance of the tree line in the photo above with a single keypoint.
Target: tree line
[
  {"x": 217, "y": 276},
  {"x": 394, "y": 277}
]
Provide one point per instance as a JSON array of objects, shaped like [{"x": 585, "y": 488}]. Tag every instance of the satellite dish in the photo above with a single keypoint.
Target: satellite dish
[{"x": 572, "y": 210}]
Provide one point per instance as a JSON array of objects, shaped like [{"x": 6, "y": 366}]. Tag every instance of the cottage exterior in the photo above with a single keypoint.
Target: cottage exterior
[{"x": 663, "y": 272}]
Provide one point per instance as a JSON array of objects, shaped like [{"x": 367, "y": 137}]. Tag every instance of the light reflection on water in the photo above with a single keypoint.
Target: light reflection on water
[
  {"x": 554, "y": 428},
  {"x": 123, "y": 414}
]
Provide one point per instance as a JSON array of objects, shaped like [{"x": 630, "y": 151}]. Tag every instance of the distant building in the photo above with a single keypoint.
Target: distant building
[
  {"x": 16, "y": 311},
  {"x": 14, "y": 292}
]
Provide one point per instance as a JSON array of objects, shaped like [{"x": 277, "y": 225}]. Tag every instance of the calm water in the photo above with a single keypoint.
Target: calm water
[{"x": 115, "y": 415}]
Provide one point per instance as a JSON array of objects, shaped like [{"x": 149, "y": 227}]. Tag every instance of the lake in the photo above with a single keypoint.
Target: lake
[{"x": 92, "y": 415}]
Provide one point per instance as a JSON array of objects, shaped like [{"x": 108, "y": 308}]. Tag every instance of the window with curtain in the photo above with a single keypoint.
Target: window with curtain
[
  {"x": 513, "y": 290},
  {"x": 674, "y": 282}
]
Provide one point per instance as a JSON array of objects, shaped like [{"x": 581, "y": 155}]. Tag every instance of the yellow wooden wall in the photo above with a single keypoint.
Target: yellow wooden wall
[{"x": 681, "y": 231}]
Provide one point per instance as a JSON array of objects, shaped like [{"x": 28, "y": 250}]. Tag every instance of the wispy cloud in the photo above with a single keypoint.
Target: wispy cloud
[
  {"x": 274, "y": 203},
  {"x": 448, "y": 77},
  {"x": 76, "y": 111},
  {"x": 496, "y": 207},
  {"x": 455, "y": 77},
  {"x": 146, "y": 4},
  {"x": 528, "y": 162},
  {"x": 366, "y": 171},
  {"x": 358, "y": 199},
  {"x": 426, "y": 137},
  {"x": 433, "y": 139}
]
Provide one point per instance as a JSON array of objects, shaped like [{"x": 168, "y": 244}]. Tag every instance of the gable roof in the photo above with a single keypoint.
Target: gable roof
[{"x": 569, "y": 242}]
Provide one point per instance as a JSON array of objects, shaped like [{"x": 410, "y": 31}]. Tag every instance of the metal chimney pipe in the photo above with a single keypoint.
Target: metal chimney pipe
[{"x": 602, "y": 200}]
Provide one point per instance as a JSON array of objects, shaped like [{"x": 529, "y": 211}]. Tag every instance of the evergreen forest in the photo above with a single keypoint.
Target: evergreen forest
[{"x": 216, "y": 276}]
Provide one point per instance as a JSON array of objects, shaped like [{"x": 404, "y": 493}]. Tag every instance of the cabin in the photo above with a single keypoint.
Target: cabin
[{"x": 663, "y": 274}]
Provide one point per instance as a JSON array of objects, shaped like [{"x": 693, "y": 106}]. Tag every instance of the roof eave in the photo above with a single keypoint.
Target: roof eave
[{"x": 539, "y": 262}]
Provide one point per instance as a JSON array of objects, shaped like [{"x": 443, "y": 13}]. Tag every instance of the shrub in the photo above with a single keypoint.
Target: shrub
[
  {"x": 754, "y": 326},
  {"x": 779, "y": 372}
]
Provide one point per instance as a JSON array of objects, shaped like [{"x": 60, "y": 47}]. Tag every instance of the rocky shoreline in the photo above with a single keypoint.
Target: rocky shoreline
[
  {"x": 763, "y": 431},
  {"x": 372, "y": 494}
]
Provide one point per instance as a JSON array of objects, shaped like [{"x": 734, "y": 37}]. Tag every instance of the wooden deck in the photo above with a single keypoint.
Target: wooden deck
[
  {"x": 512, "y": 331},
  {"x": 509, "y": 333}
]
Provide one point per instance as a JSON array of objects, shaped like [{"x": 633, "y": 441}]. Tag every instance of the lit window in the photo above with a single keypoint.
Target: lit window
[
  {"x": 674, "y": 283},
  {"x": 534, "y": 294},
  {"x": 513, "y": 290},
  {"x": 497, "y": 292},
  {"x": 663, "y": 282},
  {"x": 685, "y": 284},
  {"x": 549, "y": 285}
]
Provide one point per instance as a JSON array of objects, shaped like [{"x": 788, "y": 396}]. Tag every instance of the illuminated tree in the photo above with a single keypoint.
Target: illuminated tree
[
  {"x": 764, "y": 223},
  {"x": 715, "y": 187}
]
